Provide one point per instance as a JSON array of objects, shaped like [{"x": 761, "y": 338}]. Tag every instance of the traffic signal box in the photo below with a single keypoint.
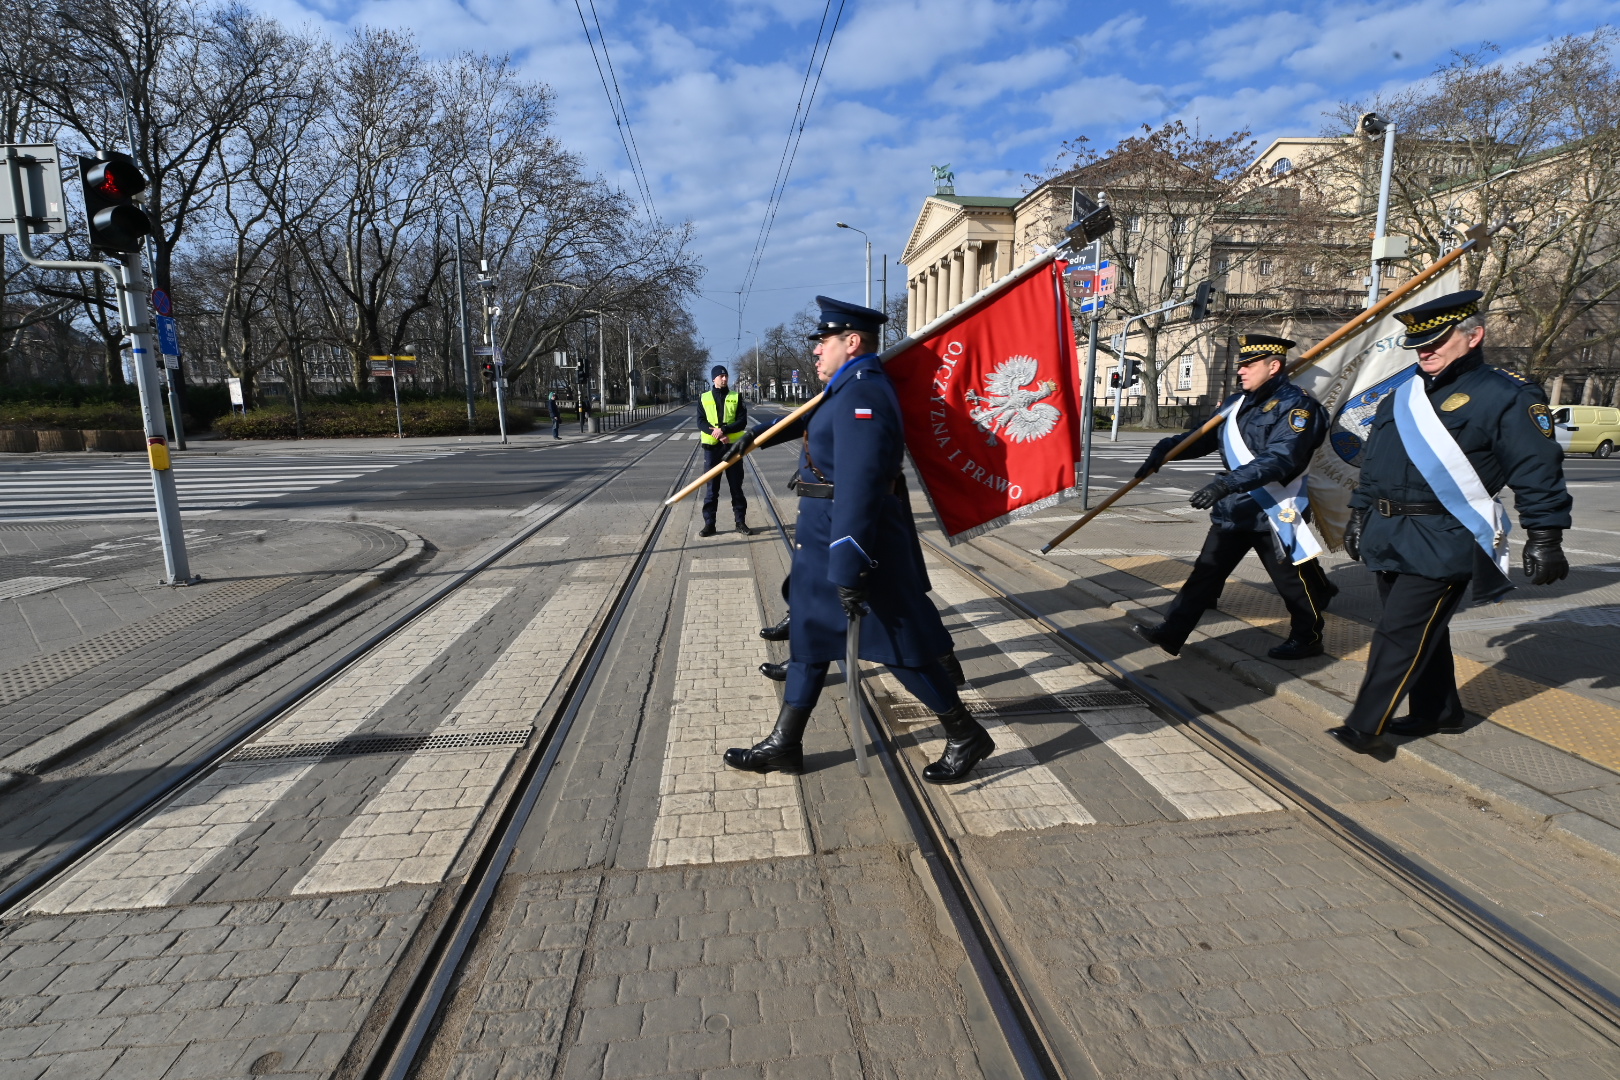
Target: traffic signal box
[{"x": 111, "y": 184}]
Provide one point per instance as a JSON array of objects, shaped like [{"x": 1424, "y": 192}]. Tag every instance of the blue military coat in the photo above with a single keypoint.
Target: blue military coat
[
  {"x": 1283, "y": 425},
  {"x": 1502, "y": 423},
  {"x": 864, "y": 535}
]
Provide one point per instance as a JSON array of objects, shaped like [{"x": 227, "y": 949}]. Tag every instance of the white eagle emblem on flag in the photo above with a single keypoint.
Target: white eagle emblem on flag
[{"x": 1008, "y": 405}]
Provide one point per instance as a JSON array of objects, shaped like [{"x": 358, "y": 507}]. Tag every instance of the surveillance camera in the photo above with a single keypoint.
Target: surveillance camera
[{"x": 1371, "y": 124}]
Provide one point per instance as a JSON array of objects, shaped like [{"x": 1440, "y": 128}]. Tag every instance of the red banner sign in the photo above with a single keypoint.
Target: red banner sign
[{"x": 991, "y": 407}]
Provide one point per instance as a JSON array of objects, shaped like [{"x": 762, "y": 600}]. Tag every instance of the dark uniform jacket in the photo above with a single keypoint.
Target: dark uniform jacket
[
  {"x": 864, "y": 535},
  {"x": 1503, "y": 425},
  {"x": 1283, "y": 426},
  {"x": 739, "y": 424}
]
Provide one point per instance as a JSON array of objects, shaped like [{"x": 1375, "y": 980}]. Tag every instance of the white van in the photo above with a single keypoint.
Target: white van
[{"x": 1587, "y": 429}]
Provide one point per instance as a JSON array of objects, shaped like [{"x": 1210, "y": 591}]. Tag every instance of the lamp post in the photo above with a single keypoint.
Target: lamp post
[
  {"x": 868, "y": 240},
  {"x": 757, "y": 384},
  {"x": 1373, "y": 124}
]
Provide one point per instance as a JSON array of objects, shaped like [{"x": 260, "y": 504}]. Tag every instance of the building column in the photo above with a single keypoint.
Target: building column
[
  {"x": 970, "y": 268},
  {"x": 1000, "y": 270},
  {"x": 930, "y": 295},
  {"x": 1556, "y": 391},
  {"x": 911, "y": 304},
  {"x": 953, "y": 267}
]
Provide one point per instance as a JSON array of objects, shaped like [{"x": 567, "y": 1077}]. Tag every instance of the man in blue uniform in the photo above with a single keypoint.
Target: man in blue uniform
[
  {"x": 722, "y": 420},
  {"x": 857, "y": 554},
  {"x": 1271, "y": 430},
  {"x": 1447, "y": 435}
]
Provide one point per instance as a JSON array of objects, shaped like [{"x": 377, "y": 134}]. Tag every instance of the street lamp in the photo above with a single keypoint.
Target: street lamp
[
  {"x": 757, "y": 383},
  {"x": 852, "y": 228},
  {"x": 1373, "y": 124}
]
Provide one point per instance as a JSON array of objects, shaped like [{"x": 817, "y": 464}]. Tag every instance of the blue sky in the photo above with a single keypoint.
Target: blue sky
[{"x": 990, "y": 86}]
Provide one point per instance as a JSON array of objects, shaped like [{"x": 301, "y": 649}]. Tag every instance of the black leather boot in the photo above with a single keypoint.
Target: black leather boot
[
  {"x": 1158, "y": 635},
  {"x": 774, "y": 672},
  {"x": 953, "y": 668},
  {"x": 966, "y": 744},
  {"x": 779, "y": 632},
  {"x": 782, "y": 750}
]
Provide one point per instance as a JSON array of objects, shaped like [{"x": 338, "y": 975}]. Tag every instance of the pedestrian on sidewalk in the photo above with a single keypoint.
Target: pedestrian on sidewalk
[
  {"x": 722, "y": 421},
  {"x": 856, "y": 554},
  {"x": 584, "y": 410},
  {"x": 1448, "y": 434},
  {"x": 1272, "y": 428},
  {"x": 555, "y": 409}
]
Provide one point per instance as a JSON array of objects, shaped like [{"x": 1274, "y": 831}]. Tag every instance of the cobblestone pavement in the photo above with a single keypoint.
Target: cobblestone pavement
[
  {"x": 662, "y": 917},
  {"x": 67, "y": 651}
]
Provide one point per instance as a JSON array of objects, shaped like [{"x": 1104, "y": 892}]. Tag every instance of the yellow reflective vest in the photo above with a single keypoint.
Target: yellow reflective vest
[{"x": 732, "y": 400}]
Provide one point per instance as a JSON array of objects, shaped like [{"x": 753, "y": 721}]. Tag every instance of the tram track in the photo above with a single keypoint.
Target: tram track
[{"x": 221, "y": 750}]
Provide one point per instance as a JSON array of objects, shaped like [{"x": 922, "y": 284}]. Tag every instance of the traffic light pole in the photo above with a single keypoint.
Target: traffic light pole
[
  {"x": 137, "y": 319},
  {"x": 1088, "y": 407}
]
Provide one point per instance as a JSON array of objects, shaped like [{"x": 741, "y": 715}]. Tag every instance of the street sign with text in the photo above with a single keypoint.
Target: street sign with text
[{"x": 168, "y": 335}]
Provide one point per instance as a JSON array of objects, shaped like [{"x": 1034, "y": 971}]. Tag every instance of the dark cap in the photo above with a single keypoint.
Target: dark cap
[
  {"x": 1262, "y": 347},
  {"x": 1429, "y": 322},
  {"x": 838, "y": 317},
  {"x": 719, "y": 370}
]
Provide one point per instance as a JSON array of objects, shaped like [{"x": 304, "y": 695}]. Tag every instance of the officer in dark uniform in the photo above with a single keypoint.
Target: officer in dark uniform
[
  {"x": 1417, "y": 540},
  {"x": 722, "y": 420},
  {"x": 1282, "y": 426},
  {"x": 857, "y": 553}
]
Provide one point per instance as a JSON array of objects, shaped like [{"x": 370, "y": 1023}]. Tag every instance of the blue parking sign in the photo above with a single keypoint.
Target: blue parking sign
[{"x": 168, "y": 336}]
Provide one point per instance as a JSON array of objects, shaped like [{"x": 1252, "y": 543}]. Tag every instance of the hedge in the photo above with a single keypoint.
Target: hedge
[{"x": 334, "y": 420}]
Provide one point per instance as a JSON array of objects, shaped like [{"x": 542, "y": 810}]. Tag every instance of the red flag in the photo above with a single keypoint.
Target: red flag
[{"x": 991, "y": 407}]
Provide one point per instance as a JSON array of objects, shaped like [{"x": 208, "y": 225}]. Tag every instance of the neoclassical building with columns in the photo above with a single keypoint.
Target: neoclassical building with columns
[{"x": 960, "y": 244}]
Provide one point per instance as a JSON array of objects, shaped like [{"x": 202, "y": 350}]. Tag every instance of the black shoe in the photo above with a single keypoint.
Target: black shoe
[
  {"x": 1156, "y": 635},
  {"x": 1417, "y": 729},
  {"x": 1295, "y": 649},
  {"x": 966, "y": 744},
  {"x": 774, "y": 672},
  {"x": 743, "y": 528},
  {"x": 707, "y": 530},
  {"x": 782, "y": 750},
  {"x": 953, "y": 668},
  {"x": 779, "y": 632},
  {"x": 1362, "y": 743}
]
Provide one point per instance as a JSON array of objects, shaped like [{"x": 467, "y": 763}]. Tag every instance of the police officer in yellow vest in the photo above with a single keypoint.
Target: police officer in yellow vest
[{"x": 722, "y": 419}]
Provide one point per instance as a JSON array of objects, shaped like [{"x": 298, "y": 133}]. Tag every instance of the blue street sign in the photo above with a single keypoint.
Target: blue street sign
[
  {"x": 168, "y": 336},
  {"x": 160, "y": 302},
  {"x": 1094, "y": 303}
]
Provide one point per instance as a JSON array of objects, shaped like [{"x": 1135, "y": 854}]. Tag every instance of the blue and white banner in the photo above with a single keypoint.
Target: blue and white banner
[
  {"x": 1284, "y": 504},
  {"x": 1349, "y": 381},
  {"x": 1447, "y": 470}
]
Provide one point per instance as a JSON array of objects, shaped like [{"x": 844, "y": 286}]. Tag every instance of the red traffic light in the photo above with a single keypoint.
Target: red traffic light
[{"x": 110, "y": 187}]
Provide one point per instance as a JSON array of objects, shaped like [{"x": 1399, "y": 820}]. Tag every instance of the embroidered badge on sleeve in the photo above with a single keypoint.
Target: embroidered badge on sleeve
[
  {"x": 1299, "y": 418},
  {"x": 863, "y": 414},
  {"x": 1543, "y": 418}
]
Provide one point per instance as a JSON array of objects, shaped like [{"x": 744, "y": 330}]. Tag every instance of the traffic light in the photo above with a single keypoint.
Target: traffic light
[
  {"x": 1113, "y": 380},
  {"x": 1133, "y": 372},
  {"x": 110, "y": 186},
  {"x": 1200, "y": 304},
  {"x": 489, "y": 372}
]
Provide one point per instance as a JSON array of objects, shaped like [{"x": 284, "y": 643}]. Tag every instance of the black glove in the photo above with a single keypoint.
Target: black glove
[
  {"x": 1155, "y": 457},
  {"x": 1352, "y": 532},
  {"x": 740, "y": 447},
  {"x": 1210, "y": 494},
  {"x": 853, "y": 599},
  {"x": 1544, "y": 561}
]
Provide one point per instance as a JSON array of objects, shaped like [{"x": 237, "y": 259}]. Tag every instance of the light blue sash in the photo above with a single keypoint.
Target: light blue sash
[
  {"x": 1447, "y": 470},
  {"x": 1284, "y": 504}
]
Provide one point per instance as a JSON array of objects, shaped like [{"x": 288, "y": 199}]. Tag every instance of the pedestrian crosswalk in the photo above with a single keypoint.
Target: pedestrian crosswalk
[{"x": 124, "y": 488}]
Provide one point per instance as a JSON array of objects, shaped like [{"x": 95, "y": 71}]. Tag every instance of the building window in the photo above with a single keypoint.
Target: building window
[
  {"x": 1179, "y": 225},
  {"x": 1223, "y": 264},
  {"x": 1184, "y": 374},
  {"x": 1310, "y": 269},
  {"x": 1282, "y": 167},
  {"x": 1265, "y": 267},
  {"x": 1180, "y": 272},
  {"x": 1136, "y": 223}
]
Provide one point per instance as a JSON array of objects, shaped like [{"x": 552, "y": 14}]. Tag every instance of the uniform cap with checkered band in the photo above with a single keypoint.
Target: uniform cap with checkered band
[
  {"x": 1431, "y": 321},
  {"x": 1253, "y": 347}
]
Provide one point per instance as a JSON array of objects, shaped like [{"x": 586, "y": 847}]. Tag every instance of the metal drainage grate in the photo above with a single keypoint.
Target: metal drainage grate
[
  {"x": 1045, "y": 703},
  {"x": 380, "y": 743}
]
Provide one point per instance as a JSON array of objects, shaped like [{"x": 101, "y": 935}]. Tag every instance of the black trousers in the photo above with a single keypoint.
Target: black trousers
[
  {"x": 711, "y": 494},
  {"x": 1304, "y": 588},
  {"x": 1411, "y": 655}
]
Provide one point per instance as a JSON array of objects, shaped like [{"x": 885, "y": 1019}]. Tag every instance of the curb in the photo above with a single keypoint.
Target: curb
[
  {"x": 1568, "y": 824},
  {"x": 115, "y": 714}
]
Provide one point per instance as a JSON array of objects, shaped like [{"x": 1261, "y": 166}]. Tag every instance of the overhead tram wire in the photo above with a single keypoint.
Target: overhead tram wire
[
  {"x": 616, "y": 105},
  {"x": 790, "y": 149}
]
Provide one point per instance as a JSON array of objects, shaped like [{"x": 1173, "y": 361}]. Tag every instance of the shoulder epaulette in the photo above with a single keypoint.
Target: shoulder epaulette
[{"x": 1511, "y": 376}]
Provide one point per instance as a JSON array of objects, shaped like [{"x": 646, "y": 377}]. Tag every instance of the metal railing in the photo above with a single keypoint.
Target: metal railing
[{"x": 613, "y": 421}]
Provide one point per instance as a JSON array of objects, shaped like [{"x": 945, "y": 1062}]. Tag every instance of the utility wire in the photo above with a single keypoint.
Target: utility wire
[
  {"x": 616, "y": 105},
  {"x": 790, "y": 149}
]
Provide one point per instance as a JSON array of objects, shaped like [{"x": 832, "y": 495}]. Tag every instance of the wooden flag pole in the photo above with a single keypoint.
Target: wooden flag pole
[
  {"x": 972, "y": 303},
  {"x": 1305, "y": 360},
  {"x": 724, "y": 465}
]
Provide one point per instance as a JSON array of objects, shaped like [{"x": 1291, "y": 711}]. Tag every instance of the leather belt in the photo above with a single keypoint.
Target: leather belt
[
  {"x": 813, "y": 491},
  {"x": 1397, "y": 509}
]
